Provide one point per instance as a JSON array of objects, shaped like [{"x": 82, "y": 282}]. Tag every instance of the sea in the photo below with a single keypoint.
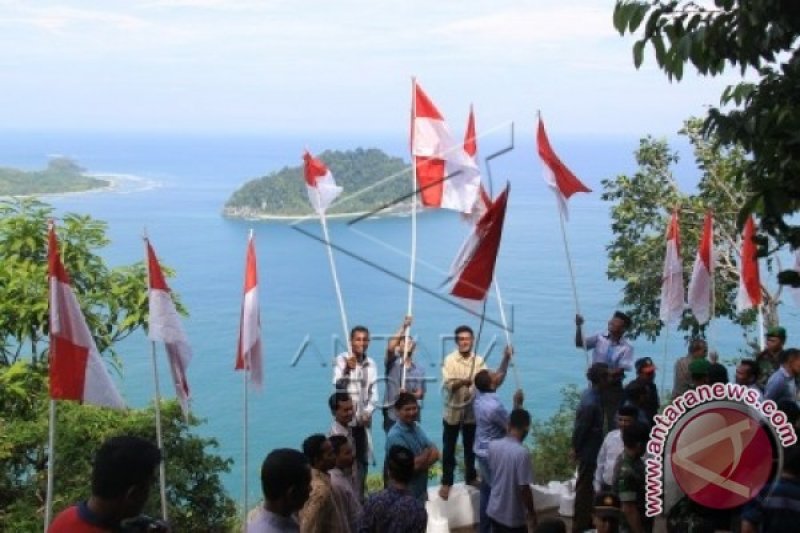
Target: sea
[{"x": 174, "y": 185}]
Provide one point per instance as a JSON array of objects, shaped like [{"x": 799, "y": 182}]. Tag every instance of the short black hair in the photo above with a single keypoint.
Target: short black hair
[
  {"x": 597, "y": 373},
  {"x": 483, "y": 381},
  {"x": 752, "y": 366},
  {"x": 519, "y": 419},
  {"x": 312, "y": 446},
  {"x": 626, "y": 320},
  {"x": 357, "y": 329},
  {"x": 636, "y": 433},
  {"x": 628, "y": 410},
  {"x": 463, "y": 329},
  {"x": 283, "y": 469},
  {"x": 403, "y": 399},
  {"x": 791, "y": 353},
  {"x": 696, "y": 343},
  {"x": 337, "y": 441},
  {"x": 551, "y": 525},
  {"x": 400, "y": 463},
  {"x": 336, "y": 398},
  {"x": 121, "y": 463}
]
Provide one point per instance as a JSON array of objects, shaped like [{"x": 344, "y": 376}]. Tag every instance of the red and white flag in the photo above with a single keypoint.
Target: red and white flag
[
  {"x": 165, "y": 326},
  {"x": 672, "y": 291},
  {"x": 248, "y": 352},
  {"x": 77, "y": 371},
  {"x": 701, "y": 285},
  {"x": 483, "y": 200},
  {"x": 320, "y": 185},
  {"x": 473, "y": 269},
  {"x": 556, "y": 174},
  {"x": 446, "y": 175},
  {"x": 749, "y": 295}
]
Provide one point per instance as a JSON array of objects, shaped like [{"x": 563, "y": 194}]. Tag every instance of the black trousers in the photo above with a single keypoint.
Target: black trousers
[
  {"x": 449, "y": 439},
  {"x": 497, "y": 527},
  {"x": 362, "y": 456},
  {"x": 584, "y": 496}
]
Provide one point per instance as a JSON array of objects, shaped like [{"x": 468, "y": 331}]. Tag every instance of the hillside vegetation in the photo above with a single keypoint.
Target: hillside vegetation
[
  {"x": 370, "y": 178},
  {"x": 61, "y": 175}
]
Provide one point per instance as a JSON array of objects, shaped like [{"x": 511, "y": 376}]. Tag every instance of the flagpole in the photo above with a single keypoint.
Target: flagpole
[
  {"x": 335, "y": 276},
  {"x": 761, "y": 342},
  {"x": 244, "y": 475},
  {"x": 507, "y": 331},
  {"x": 572, "y": 279},
  {"x": 666, "y": 351},
  {"x": 162, "y": 469},
  {"x": 412, "y": 267},
  {"x": 51, "y": 459}
]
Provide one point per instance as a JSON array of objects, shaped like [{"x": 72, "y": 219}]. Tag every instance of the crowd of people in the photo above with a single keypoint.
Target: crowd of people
[{"x": 321, "y": 487}]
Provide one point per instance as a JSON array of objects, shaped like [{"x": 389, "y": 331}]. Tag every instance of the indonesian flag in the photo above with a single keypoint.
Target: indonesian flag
[
  {"x": 483, "y": 200},
  {"x": 77, "y": 371},
  {"x": 320, "y": 185},
  {"x": 556, "y": 174},
  {"x": 446, "y": 175},
  {"x": 672, "y": 280},
  {"x": 473, "y": 268},
  {"x": 165, "y": 326},
  {"x": 248, "y": 352},
  {"x": 700, "y": 286},
  {"x": 749, "y": 295}
]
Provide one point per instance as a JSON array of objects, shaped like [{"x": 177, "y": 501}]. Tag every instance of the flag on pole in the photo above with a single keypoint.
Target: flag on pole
[
  {"x": 446, "y": 175},
  {"x": 749, "y": 294},
  {"x": 556, "y": 174},
  {"x": 164, "y": 325},
  {"x": 77, "y": 371},
  {"x": 672, "y": 304},
  {"x": 482, "y": 200},
  {"x": 701, "y": 286},
  {"x": 248, "y": 352},
  {"x": 320, "y": 185},
  {"x": 473, "y": 269}
]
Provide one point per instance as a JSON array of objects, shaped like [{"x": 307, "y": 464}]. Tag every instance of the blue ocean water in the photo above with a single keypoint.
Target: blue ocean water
[{"x": 182, "y": 181}]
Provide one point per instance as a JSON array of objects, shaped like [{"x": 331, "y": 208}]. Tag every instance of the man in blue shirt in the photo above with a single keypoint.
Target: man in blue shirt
[
  {"x": 408, "y": 434},
  {"x": 510, "y": 506},
  {"x": 398, "y": 360},
  {"x": 781, "y": 385},
  {"x": 491, "y": 419}
]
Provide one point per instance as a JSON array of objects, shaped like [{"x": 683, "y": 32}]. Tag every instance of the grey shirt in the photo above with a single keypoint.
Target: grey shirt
[{"x": 510, "y": 465}]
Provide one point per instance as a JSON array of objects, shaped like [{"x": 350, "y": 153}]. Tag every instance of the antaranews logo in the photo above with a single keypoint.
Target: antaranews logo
[{"x": 721, "y": 446}]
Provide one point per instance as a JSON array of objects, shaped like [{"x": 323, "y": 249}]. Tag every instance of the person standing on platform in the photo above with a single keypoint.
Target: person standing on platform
[
  {"x": 587, "y": 437},
  {"x": 356, "y": 374},
  {"x": 612, "y": 349},
  {"x": 415, "y": 373},
  {"x": 458, "y": 373}
]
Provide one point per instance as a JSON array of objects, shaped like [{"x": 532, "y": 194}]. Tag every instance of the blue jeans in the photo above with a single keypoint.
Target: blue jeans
[{"x": 485, "y": 525}]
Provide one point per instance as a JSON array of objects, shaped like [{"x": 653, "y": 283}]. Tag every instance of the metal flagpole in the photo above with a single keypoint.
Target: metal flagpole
[
  {"x": 761, "y": 341},
  {"x": 51, "y": 459},
  {"x": 162, "y": 469},
  {"x": 412, "y": 267},
  {"x": 572, "y": 279},
  {"x": 506, "y": 330}
]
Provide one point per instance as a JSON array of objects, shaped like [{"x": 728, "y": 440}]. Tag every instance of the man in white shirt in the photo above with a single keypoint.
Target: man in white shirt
[
  {"x": 611, "y": 449},
  {"x": 356, "y": 374}
]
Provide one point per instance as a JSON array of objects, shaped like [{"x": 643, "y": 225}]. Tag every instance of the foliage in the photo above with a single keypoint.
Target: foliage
[
  {"x": 197, "y": 500},
  {"x": 115, "y": 304},
  {"x": 552, "y": 439},
  {"x": 642, "y": 206},
  {"x": 114, "y": 300},
  {"x": 61, "y": 175},
  {"x": 763, "y": 118},
  {"x": 356, "y": 171}
]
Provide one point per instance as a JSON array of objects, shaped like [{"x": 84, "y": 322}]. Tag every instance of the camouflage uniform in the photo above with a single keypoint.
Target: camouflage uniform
[{"x": 629, "y": 486}]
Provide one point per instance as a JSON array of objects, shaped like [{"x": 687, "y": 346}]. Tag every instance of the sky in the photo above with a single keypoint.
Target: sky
[{"x": 281, "y": 66}]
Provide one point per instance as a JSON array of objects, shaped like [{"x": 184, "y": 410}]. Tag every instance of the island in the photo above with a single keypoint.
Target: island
[
  {"x": 370, "y": 178},
  {"x": 62, "y": 175}
]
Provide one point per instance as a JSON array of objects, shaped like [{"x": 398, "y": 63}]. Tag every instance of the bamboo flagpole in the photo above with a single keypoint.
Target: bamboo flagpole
[
  {"x": 507, "y": 331},
  {"x": 413, "y": 261},
  {"x": 162, "y": 469},
  {"x": 51, "y": 461}
]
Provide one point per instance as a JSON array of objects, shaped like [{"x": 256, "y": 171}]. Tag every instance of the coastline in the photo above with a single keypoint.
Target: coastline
[
  {"x": 117, "y": 183},
  {"x": 264, "y": 217}
]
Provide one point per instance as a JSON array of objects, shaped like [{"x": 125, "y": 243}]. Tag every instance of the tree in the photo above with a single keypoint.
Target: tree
[
  {"x": 763, "y": 118},
  {"x": 642, "y": 206},
  {"x": 552, "y": 438},
  {"x": 115, "y": 304}
]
